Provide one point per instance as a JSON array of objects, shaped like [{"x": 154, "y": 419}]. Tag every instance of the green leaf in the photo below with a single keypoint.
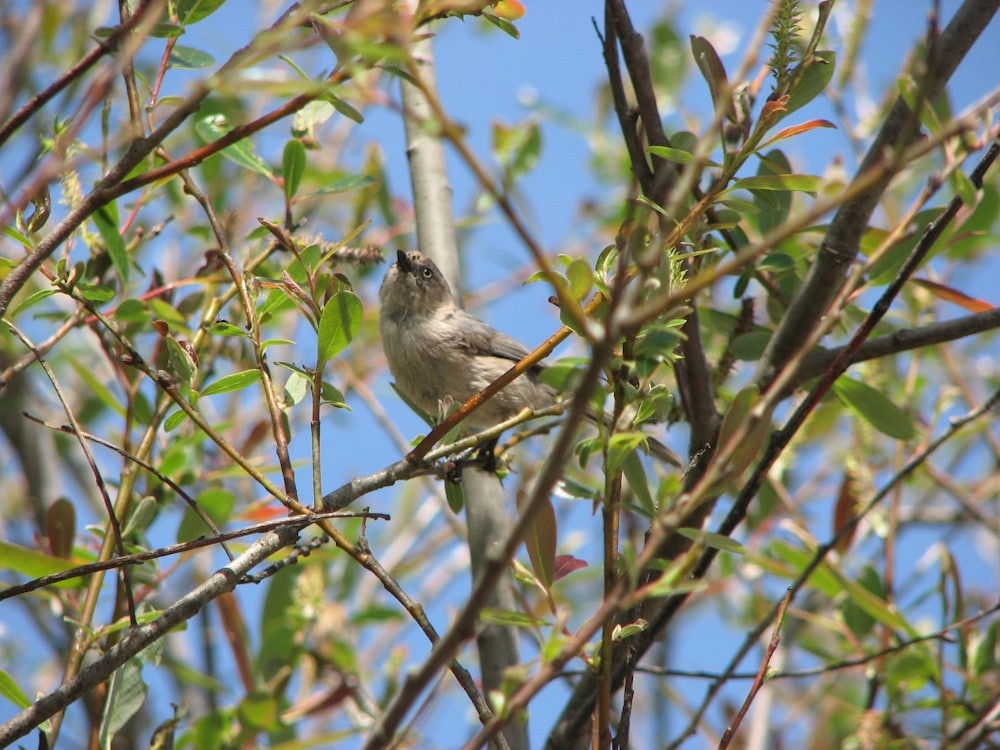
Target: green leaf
[
  {"x": 804, "y": 183},
  {"x": 964, "y": 187},
  {"x": 572, "y": 489},
  {"x": 815, "y": 78},
  {"x": 343, "y": 184},
  {"x": 225, "y": 328},
  {"x": 517, "y": 147},
  {"x": 713, "y": 540},
  {"x": 621, "y": 632},
  {"x": 774, "y": 205},
  {"x": 97, "y": 386},
  {"x": 106, "y": 220},
  {"x": 494, "y": 616},
  {"x": 339, "y": 323},
  {"x": 126, "y": 694},
  {"x": 174, "y": 420},
  {"x": 34, "y": 564},
  {"x": 749, "y": 347},
  {"x": 620, "y": 445},
  {"x": 714, "y": 72},
  {"x": 332, "y": 396},
  {"x": 28, "y": 301},
  {"x": 857, "y": 619},
  {"x": 217, "y": 505},
  {"x": 823, "y": 578},
  {"x": 183, "y": 366},
  {"x": 875, "y": 606},
  {"x": 189, "y": 58},
  {"x": 163, "y": 310},
  {"x": 455, "y": 496},
  {"x": 192, "y": 11},
  {"x": 346, "y": 110},
  {"x": 161, "y": 30},
  {"x": 671, "y": 154},
  {"x": 741, "y": 416},
  {"x": 280, "y": 625},
  {"x": 636, "y": 476},
  {"x": 581, "y": 278},
  {"x": 293, "y": 165},
  {"x": 777, "y": 263},
  {"x": 131, "y": 311},
  {"x": 141, "y": 517},
  {"x": 214, "y": 127},
  {"x": 540, "y": 542},
  {"x": 874, "y": 407},
  {"x": 306, "y": 119},
  {"x": 676, "y": 155},
  {"x": 982, "y": 658},
  {"x": 10, "y": 690},
  {"x": 258, "y": 711},
  {"x": 16, "y": 236},
  {"x": 607, "y": 261},
  {"x": 6, "y": 266},
  {"x": 503, "y": 24},
  {"x": 234, "y": 382},
  {"x": 95, "y": 293}
]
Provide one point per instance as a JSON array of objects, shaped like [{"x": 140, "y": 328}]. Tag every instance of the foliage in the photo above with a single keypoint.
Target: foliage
[{"x": 189, "y": 364}]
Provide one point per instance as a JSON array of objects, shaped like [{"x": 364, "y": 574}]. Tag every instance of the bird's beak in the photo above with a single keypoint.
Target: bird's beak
[{"x": 402, "y": 261}]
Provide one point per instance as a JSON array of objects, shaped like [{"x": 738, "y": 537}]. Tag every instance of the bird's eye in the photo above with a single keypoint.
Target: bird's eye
[{"x": 427, "y": 272}]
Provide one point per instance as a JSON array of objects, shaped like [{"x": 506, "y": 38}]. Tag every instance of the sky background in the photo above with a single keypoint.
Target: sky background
[{"x": 486, "y": 77}]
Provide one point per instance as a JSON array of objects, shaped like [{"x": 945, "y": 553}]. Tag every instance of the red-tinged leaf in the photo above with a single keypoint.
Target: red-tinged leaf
[
  {"x": 953, "y": 295},
  {"x": 234, "y": 627},
  {"x": 509, "y": 10},
  {"x": 804, "y": 127},
  {"x": 263, "y": 513},
  {"x": 773, "y": 108},
  {"x": 541, "y": 541},
  {"x": 566, "y": 564},
  {"x": 60, "y": 527},
  {"x": 844, "y": 510}
]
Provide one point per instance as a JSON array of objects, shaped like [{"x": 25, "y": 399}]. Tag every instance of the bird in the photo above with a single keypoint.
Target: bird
[{"x": 438, "y": 353}]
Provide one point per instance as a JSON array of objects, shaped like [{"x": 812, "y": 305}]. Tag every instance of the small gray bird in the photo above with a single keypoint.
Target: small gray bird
[{"x": 439, "y": 352}]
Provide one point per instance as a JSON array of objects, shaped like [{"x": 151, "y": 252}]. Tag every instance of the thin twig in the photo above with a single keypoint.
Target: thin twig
[
  {"x": 146, "y": 466},
  {"x": 292, "y": 522},
  {"x": 758, "y": 681},
  {"x": 115, "y": 538}
]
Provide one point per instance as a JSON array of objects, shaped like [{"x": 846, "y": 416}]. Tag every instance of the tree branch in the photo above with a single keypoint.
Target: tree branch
[
  {"x": 841, "y": 244},
  {"x": 221, "y": 582}
]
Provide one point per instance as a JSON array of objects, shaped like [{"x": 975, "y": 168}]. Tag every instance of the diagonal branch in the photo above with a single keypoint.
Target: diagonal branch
[
  {"x": 114, "y": 184},
  {"x": 221, "y": 582},
  {"x": 903, "y": 340},
  {"x": 841, "y": 245},
  {"x": 106, "y": 47}
]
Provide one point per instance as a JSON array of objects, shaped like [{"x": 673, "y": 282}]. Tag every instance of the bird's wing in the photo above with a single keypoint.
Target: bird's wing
[{"x": 479, "y": 338}]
